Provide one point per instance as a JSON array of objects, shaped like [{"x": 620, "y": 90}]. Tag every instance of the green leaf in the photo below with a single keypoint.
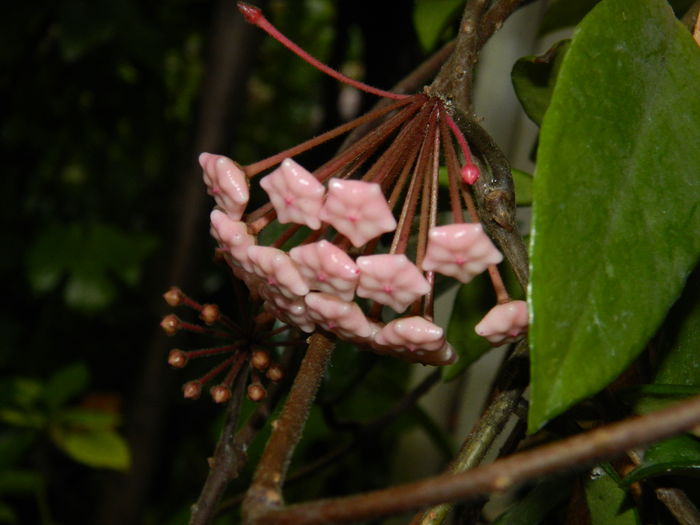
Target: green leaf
[
  {"x": 680, "y": 454},
  {"x": 85, "y": 418},
  {"x": 95, "y": 448},
  {"x": 534, "y": 78},
  {"x": 20, "y": 391},
  {"x": 16, "y": 481},
  {"x": 678, "y": 375},
  {"x": 431, "y": 17},
  {"x": 565, "y": 13},
  {"x": 618, "y": 151},
  {"x": 523, "y": 187},
  {"x": 680, "y": 339},
  {"x": 608, "y": 503},
  {"x": 7, "y": 514},
  {"x": 66, "y": 383},
  {"x": 50, "y": 256},
  {"x": 105, "y": 253},
  {"x": 537, "y": 504}
]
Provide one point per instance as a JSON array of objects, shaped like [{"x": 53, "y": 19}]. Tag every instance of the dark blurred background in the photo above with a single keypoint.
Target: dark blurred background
[{"x": 105, "y": 106}]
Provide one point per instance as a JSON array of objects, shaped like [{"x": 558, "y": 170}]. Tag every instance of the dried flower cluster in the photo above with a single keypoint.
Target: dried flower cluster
[{"x": 239, "y": 350}]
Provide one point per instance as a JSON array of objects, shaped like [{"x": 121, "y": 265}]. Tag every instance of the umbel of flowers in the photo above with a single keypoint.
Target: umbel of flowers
[{"x": 344, "y": 263}]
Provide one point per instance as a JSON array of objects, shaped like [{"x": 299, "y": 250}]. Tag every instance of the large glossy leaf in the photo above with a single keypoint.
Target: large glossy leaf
[
  {"x": 615, "y": 216},
  {"x": 564, "y": 13}
]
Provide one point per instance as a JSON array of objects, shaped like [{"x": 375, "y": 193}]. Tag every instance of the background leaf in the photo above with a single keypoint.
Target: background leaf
[
  {"x": 534, "y": 507},
  {"x": 608, "y": 503},
  {"x": 66, "y": 383},
  {"x": 534, "y": 78},
  {"x": 566, "y": 13},
  {"x": 615, "y": 214},
  {"x": 95, "y": 448},
  {"x": 431, "y": 17},
  {"x": 680, "y": 454}
]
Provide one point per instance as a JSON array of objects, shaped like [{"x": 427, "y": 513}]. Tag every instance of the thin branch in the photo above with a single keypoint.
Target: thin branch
[
  {"x": 454, "y": 82},
  {"x": 224, "y": 466},
  {"x": 266, "y": 489},
  {"x": 512, "y": 383},
  {"x": 583, "y": 449},
  {"x": 679, "y": 504}
]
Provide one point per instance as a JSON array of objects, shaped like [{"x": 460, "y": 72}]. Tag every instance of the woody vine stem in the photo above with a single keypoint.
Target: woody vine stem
[{"x": 495, "y": 205}]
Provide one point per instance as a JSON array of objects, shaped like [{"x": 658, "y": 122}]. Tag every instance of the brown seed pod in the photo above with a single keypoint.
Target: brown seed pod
[
  {"x": 275, "y": 373},
  {"x": 192, "y": 390},
  {"x": 171, "y": 324},
  {"x": 256, "y": 392},
  {"x": 210, "y": 314},
  {"x": 173, "y": 296},
  {"x": 260, "y": 360},
  {"x": 220, "y": 393},
  {"x": 177, "y": 358}
]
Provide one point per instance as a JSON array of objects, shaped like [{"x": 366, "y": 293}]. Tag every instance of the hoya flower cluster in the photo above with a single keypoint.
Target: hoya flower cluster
[{"x": 363, "y": 242}]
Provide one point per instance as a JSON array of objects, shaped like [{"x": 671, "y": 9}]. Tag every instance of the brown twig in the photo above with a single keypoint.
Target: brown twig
[
  {"x": 512, "y": 382},
  {"x": 583, "y": 449},
  {"x": 679, "y": 504},
  {"x": 225, "y": 463},
  {"x": 265, "y": 491}
]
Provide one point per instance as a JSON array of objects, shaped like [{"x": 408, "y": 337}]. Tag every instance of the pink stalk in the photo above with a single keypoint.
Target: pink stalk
[
  {"x": 253, "y": 15},
  {"x": 470, "y": 171}
]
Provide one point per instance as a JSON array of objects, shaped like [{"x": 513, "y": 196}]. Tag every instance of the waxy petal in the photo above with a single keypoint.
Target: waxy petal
[
  {"x": 412, "y": 334},
  {"x": 460, "y": 250},
  {"x": 504, "y": 323},
  {"x": 290, "y": 311},
  {"x": 233, "y": 236},
  {"x": 295, "y": 194},
  {"x": 278, "y": 270},
  {"x": 226, "y": 182},
  {"x": 414, "y": 339},
  {"x": 358, "y": 210},
  {"x": 390, "y": 279},
  {"x": 327, "y": 268},
  {"x": 340, "y": 317}
]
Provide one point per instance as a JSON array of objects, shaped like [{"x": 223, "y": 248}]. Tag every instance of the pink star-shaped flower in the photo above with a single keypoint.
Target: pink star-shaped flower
[
  {"x": 296, "y": 194},
  {"x": 358, "y": 210},
  {"x": 412, "y": 334},
  {"x": 327, "y": 268},
  {"x": 424, "y": 341},
  {"x": 460, "y": 250},
  {"x": 505, "y": 323},
  {"x": 340, "y": 317},
  {"x": 233, "y": 236},
  {"x": 290, "y": 311},
  {"x": 390, "y": 279},
  {"x": 278, "y": 270},
  {"x": 226, "y": 182}
]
